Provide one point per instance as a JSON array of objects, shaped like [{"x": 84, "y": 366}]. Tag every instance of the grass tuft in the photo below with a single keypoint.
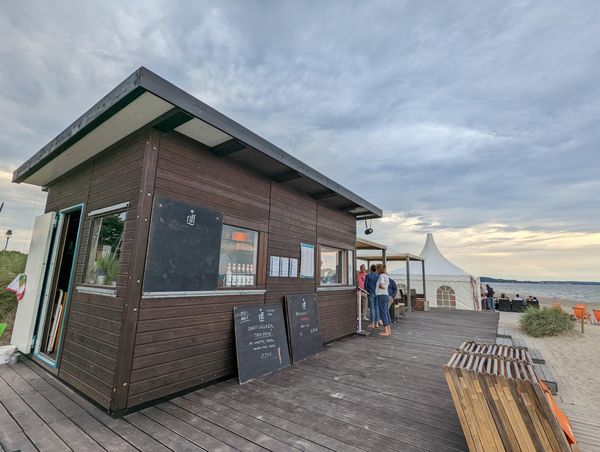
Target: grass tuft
[{"x": 546, "y": 322}]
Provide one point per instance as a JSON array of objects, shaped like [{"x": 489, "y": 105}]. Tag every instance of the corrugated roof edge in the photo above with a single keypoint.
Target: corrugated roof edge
[{"x": 145, "y": 80}]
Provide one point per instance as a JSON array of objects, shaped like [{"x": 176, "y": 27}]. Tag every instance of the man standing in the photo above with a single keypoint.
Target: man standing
[
  {"x": 370, "y": 287},
  {"x": 392, "y": 291},
  {"x": 364, "y": 299},
  {"x": 490, "y": 298}
]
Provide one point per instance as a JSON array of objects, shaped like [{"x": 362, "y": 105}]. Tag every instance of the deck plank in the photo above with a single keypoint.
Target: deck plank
[{"x": 359, "y": 394}]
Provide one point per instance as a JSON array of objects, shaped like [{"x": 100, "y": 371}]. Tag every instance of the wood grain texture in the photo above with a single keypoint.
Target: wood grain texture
[
  {"x": 92, "y": 327},
  {"x": 361, "y": 393}
]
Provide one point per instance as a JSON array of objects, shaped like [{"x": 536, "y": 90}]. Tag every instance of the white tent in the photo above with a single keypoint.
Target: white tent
[{"x": 446, "y": 284}]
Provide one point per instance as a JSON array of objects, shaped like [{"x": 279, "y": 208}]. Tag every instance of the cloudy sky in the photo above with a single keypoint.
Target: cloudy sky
[{"x": 475, "y": 121}]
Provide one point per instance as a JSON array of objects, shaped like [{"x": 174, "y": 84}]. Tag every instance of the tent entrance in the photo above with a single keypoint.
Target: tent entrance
[{"x": 57, "y": 289}]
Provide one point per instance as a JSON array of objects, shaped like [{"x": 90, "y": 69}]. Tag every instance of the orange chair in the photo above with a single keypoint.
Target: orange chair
[
  {"x": 597, "y": 316},
  {"x": 579, "y": 311},
  {"x": 561, "y": 417}
]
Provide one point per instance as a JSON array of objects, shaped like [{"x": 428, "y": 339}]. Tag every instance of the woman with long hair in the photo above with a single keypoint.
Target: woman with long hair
[{"x": 382, "y": 299}]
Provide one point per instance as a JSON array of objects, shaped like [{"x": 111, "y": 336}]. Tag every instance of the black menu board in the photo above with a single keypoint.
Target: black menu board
[
  {"x": 184, "y": 247},
  {"x": 260, "y": 339},
  {"x": 304, "y": 330}
]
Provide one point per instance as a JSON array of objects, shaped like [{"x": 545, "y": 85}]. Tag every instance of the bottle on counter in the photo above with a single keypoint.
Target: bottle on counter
[{"x": 228, "y": 276}]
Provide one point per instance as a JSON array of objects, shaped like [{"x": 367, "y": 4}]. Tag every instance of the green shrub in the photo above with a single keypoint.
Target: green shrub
[
  {"x": 545, "y": 322},
  {"x": 11, "y": 264}
]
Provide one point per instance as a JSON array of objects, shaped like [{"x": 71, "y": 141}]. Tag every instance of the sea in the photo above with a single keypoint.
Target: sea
[{"x": 586, "y": 293}]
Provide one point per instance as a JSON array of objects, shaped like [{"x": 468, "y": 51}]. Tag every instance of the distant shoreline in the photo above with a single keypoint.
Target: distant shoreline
[{"x": 486, "y": 279}]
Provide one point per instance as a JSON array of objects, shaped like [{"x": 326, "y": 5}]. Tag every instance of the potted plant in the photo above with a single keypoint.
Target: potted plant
[{"x": 107, "y": 268}]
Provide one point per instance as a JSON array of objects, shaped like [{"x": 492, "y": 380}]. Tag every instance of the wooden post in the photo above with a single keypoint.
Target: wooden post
[
  {"x": 133, "y": 297},
  {"x": 582, "y": 322},
  {"x": 408, "y": 296},
  {"x": 424, "y": 290}
]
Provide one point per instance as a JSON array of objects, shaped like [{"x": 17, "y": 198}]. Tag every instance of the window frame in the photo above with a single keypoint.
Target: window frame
[
  {"x": 258, "y": 280},
  {"x": 344, "y": 269},
  {"x": 93, "y": 216}
]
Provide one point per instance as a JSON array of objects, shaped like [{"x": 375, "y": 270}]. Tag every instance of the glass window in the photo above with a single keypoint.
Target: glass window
[
  {"x": 446, "y": 297},
  {"x": 103, "y": 260},
  {"x": 332, "y": 266},
  {"x": 239, "y": 255}
]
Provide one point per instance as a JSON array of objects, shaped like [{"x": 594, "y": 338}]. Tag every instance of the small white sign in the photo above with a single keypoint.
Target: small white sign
[
  {"x": 274, "y": 266},
  {"x": 284, "y": 267},
  {"x": 307, "y": 260},
  {"x": 293, "y": 268}
]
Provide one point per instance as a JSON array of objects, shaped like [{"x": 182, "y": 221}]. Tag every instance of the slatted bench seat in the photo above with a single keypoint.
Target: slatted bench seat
[{"x": 543, "y": 373}]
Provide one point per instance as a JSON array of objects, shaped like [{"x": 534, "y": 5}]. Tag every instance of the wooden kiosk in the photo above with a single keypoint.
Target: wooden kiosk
[{"x": 162, "y": 215}]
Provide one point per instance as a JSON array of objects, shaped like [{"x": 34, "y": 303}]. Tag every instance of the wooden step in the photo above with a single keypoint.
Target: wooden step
[{"x": 543, "y": 373}]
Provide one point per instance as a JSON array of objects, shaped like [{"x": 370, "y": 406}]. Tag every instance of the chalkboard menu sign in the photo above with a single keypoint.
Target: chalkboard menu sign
[
  {"x": 303, "y": 326},
  {"x": 260, "y": 340},
  {"x": 184, "y": 247}
]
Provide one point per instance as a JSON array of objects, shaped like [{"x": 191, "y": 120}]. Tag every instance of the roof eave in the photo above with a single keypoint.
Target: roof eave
[{"x": 145, "y": 80}]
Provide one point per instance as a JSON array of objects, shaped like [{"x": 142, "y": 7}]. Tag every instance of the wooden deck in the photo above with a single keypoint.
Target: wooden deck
[{"x": 362, "y": 393}]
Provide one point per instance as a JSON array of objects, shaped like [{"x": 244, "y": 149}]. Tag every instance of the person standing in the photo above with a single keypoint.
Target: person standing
[
  {"x": 383, "y": 296},
  {"x": 364, "y": 298},
  {"x": 490, "y": 297},
  {"x": 393, "y": 292},
  {"x": 371, "y": 287}
]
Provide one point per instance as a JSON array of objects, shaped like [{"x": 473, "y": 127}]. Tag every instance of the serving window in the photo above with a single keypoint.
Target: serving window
[
  {"x": 331, "y": 270},
  {"x": 239, "y": 257},
  {"x": 105, "y": 250}
]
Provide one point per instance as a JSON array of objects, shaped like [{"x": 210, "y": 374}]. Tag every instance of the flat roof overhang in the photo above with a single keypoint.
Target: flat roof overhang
[
  {"x": 145, "y": 99},
  {"x": 392, "y": 257}
]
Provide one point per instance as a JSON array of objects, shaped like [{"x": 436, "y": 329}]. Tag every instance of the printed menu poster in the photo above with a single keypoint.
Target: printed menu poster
[
  {"x": 284, "y": 267},
  {"x": 293, "y": 268},
  {"x": 274, "y": 266},
  {"x": 307, "y": 260}
]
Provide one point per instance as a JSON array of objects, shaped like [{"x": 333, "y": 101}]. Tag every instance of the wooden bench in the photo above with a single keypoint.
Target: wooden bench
[{"x": 543, "y": 373}]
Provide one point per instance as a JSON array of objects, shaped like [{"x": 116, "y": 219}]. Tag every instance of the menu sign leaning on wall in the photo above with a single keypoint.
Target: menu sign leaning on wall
[
  {"x": 260, "y": 339},
  {"x": 303, "y": 326}
]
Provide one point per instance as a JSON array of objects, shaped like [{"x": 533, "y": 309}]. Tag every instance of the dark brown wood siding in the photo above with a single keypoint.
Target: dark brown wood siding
[
  {"x": 292, "y": 221},
  {"x": 87, "y": 360},
  {"x": 184, "y": 342},
  {"x": 337, "y": 309}
]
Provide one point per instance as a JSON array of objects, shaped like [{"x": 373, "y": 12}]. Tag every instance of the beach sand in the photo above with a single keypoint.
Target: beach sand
[{"x": 573, "y": 359}]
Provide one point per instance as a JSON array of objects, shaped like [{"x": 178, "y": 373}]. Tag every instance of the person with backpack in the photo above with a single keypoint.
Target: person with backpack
[
  {"x": 393, "y": 292},
  {"x": 371, "y": 287}
]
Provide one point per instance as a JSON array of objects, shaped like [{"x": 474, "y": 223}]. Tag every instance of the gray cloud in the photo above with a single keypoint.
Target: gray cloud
[{"x": 455, "y": 114}]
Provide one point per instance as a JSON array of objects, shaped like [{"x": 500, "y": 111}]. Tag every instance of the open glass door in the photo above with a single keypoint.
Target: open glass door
[
  {"x": 35, "y": 269},
  {"x": 58, "y": 286}
]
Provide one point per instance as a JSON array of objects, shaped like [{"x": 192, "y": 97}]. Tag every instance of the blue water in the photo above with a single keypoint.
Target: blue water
[{"x": 577, "y": 292}]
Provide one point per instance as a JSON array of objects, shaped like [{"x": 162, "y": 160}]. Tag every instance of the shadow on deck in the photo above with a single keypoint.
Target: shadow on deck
[{"x": 361, "y": 393}]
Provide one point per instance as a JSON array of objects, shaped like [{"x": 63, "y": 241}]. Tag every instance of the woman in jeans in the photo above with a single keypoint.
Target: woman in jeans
[{"x": 382, "y": 299}]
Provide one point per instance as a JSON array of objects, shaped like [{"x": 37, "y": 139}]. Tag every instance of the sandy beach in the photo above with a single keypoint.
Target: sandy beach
[{"x": 573, "y": 360}]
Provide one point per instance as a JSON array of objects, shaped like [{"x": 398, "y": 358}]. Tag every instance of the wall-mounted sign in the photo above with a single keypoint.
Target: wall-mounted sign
[
  {"x": 183, "y": 247},
  {"x": 293, "y": 267},
  {"x": 284, "y": 267},
  {"x": 274, "y": 266},
  {"x": 307, "y": 260},
  {"x": 260, "y": 339}
]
